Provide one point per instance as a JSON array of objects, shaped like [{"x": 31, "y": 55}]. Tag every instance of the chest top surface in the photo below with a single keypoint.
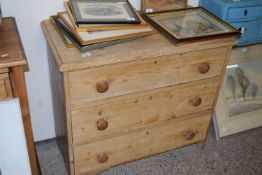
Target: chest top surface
[
  {"x": 152, "y": 46},
  {"x": 11, "y": 51}
]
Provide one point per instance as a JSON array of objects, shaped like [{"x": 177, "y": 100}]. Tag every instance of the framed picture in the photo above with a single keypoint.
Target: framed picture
[
  {"x": 71, "y": 41},
  {"x": 94, "y": 37},
  {"x": 188, "y": 25},
  {"x": 104, "y": 12},
  {"x": 239, "y": 105},
  {"x": 68, "y": 17}
]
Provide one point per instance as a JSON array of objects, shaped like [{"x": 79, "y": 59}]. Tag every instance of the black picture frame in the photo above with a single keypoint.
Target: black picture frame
[
  {"x": 83, "y": 48},
  {"x": 98, "y": 7}
]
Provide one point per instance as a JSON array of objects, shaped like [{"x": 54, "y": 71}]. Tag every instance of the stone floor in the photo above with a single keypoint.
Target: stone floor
[{"x": 239, "y": 154}]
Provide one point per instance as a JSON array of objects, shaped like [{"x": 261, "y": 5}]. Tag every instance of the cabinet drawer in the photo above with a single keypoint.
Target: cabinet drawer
[
  {"x": 167, "y": 136},
  {"x": 115, "y": 80},
  {"x": 259, "y": 35},
  {"x": 244, "y": 12},
  {"x": 249, "y": 29},
  {"x": 5, "y": 86},
  {"x": 108, "y": 117}
]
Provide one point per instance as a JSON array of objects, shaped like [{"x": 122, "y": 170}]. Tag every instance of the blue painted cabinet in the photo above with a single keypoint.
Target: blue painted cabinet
[{"x": 245, "y": 15}]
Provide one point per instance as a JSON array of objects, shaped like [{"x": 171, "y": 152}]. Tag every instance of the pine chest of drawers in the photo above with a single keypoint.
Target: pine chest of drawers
[
  {"x": 132, "y": 100},
  {"x": 245, "y": 15}
]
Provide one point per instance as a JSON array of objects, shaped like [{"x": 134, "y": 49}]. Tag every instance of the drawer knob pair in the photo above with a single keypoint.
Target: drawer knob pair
[
  {"x": 189, "y": 135},
  {"x": 196, "y": 101},
  {"x": 102, "y": 86},
  {"x": 102, "y": 157},
  {"x": 203, "y": 68},
  {"x": 101, "y": 124}
]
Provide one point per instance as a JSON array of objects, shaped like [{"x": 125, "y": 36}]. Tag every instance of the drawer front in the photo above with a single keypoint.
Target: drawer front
[
  {"x": 244, "y": 12},
  {"x": 248, "y": 28},
  {"x": 5, "y": 86},
  {"x": 109, "y": 117},
  {"x": 101, "y": 155},
  {"x": 115, "y": 80}
]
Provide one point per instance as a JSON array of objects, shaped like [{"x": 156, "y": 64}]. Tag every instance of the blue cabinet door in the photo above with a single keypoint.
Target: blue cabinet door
[
  {"x": 259, "y": 35},
  {"x": 245, "y": 14},
  {"x": 249, "y": 30}
]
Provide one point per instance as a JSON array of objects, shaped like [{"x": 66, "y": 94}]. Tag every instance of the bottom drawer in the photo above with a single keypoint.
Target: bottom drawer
[
  {"x": 168, "y": 135},
  {"x": 5, "y": 86}
]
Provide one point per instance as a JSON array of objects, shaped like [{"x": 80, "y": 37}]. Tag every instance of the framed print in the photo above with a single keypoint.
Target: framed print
[
  {"x": 188, "y": 25},
  {"x": 94, "y": 37},
  {"x": 67, "y": 17},
  {"x": 239, "y": 105},
  {"x": 163, "y": 5},
  {"x": 104, "y": 12}
]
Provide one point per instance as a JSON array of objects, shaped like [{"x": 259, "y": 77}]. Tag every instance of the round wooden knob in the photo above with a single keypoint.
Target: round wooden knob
[
  {"x": 102, "y": 86},
  {"x": 101, "y": 124},
  {"x": 189, "y": 135},
  {"x": 196, "y": 101},
  {"x": 102, "y": 157},
  {"x": 203, "y": 68}
]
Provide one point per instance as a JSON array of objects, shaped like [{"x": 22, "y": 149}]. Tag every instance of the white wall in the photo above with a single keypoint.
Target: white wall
[{"x": 29, "y": 14}]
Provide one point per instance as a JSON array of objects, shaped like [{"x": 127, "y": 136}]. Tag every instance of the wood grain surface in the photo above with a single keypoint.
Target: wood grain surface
[
  {"x": 149, "y": 47},
  {"x": 132, "y": 100},
  {"x": 168, "y": 135},
  {"x": 139, "y": 110},
  {"x": 13, "y": 60},
  {"x": 11, "y": 50},
  {"x": 148, "y": 74}
]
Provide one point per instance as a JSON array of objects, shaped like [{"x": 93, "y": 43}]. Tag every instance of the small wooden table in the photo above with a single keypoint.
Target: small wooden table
[{"x": 12, "y": 81}]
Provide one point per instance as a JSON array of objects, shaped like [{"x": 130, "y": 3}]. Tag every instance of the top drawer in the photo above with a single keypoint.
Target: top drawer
[
  {"x": 115, "y": 80},
  {"x": 244, "y": 12}
]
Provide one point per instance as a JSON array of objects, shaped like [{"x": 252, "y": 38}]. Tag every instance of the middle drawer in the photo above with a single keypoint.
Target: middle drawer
[
  {"x": 137, "y": 76},
  {"x": 112, "y": 116}
]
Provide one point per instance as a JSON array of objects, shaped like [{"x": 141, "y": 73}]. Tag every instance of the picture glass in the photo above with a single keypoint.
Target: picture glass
[
  {"x": 190, "y": 23},
  {"x": 243, "y": 86},
  {"x": 96, "y": 10}
]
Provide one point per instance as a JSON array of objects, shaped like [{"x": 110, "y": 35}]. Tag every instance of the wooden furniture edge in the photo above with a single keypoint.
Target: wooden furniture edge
[
  {"x": 59, "y": 86},
  {"x": 82, "y": 65},
  {"x": 15, "y": 65},
  {"x": 15, "y": 62},
  {"x": 70, "y": 66},
  {"x": 201, "y": 144},
  {"x": 17, "y": 74},
  {"x": 51, "y": 44},
  {"x": 4, "y": 70},
  {"x": 69, "y": 123}
]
